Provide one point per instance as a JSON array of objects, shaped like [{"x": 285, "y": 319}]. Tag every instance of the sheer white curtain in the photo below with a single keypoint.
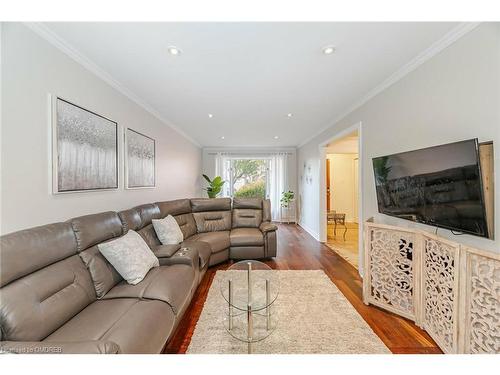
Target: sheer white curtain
[
  {"x": 277, "y": 179},
  {"x": 278, "y": 182},
  {"x": 223, "y": 169}
]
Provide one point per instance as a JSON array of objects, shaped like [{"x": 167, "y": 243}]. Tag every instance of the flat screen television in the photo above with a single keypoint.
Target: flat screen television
[{"x": 439, "y": 186}]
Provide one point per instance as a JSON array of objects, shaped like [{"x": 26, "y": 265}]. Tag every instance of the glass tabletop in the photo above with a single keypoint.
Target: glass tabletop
[{"x": 250, "y": 284}]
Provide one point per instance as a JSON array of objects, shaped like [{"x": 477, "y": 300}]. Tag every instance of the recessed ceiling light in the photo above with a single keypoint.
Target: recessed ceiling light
[
  {"x": 173, "y": 50},
  {"x": 328, "y": 50},
  {"x": 210, "y": 115},
  {"x": 276, "y": 137},
  {"x": 222, "y": 137},
  {"x": 290, "y": 114}
]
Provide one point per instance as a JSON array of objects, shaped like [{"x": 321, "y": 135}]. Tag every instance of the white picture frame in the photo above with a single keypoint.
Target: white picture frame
[
  {"x": 140, "y": 160},
  {"x": 85, "y": 151}
]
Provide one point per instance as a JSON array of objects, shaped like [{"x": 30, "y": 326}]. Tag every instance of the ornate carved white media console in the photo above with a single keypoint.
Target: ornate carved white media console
[{"x": 450, "y": 290}]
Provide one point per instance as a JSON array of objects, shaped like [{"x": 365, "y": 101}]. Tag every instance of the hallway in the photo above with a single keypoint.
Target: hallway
[{"x": 348, "y": 248}]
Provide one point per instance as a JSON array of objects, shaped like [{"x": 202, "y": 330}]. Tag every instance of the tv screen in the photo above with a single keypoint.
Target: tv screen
[{"x": 439, "y": 186}]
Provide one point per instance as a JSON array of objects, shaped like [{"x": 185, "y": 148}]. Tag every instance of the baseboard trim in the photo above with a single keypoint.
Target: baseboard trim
[{"x": 313, "y": 233}]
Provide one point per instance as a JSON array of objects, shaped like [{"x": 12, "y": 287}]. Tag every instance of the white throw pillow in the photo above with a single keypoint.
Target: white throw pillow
[
  {"x": 168, "y": 231},
  {"x": 130, "y": 256}
]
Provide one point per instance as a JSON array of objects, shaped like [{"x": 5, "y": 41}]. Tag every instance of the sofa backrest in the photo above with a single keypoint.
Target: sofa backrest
[
  {"x": 180, "y": 209},
  {"x": 43, "y": 281},
  {"x": 247, "y": 212},
  {"x": 148, "y": 212},
  {"x": 91, "y": 230},
  {"x": 131, "y": 220},
  {"x": 140, "y": 219},
  {"x": 211, "y": 214}
]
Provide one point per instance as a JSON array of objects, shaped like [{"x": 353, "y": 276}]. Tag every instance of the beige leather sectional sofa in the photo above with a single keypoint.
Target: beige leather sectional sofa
[{"x": 59, "y": 294}]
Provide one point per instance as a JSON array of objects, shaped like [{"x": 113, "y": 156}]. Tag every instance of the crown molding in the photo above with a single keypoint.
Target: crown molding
[
  {"x": 51, "y": 37},
  {"x": 250, "y": 149},
  {"x": 438, "y": 46}
]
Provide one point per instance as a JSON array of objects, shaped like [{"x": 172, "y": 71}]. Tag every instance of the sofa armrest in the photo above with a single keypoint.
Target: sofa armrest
[
  {"x": 267, "y": 227},
  {"x": 184, "y": 255},
  {"x": 166, "y": 251},
  {"x": 56, "y": 347}
]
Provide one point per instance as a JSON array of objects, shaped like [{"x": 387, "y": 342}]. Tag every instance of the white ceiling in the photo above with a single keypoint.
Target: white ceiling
[{"x": 250, "y": 75}]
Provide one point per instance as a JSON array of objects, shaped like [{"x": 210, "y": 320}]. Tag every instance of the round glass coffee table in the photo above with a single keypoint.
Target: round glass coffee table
[{"x": 250, "y": 288}]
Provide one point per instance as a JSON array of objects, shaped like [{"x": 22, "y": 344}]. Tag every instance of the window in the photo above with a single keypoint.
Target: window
[
  {"x": 263, "y": 175},
  {"x": 249, "y": 178}
]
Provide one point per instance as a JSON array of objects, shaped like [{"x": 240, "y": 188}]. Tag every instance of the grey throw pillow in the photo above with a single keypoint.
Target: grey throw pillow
[
  {"x": 168, "y": 231},
  {"x": 130, "y": 256}
]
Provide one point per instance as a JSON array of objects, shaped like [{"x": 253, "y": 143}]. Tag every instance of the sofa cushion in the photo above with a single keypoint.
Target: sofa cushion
[
  {"x": 246, "y": 237},
  {"x": 36, "y": 305},
  {"x": 29, "y": 250},
  {"x": 168, "y": 231},
  {"x": 130, "y": 256},
  {"x": 246, "y": 218},
  {"x": 203, "y": 248},
  {"x": 218, "y": 241},
  {"x": 103, "y": 274},
  {"x": 212, "y": 221},
  {"x": 210, "y": 204},
  {"x": 93, "y": 229},
  {"x": 169, "y": 284},
  {"x": 137, "y": 326}
]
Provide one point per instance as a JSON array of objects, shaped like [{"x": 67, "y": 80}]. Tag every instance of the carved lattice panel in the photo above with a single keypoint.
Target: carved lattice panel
[
  {"x": 482, "y": 306},
  {"x": 440, "y": 286},
  {"x": 391, "y": 272}
]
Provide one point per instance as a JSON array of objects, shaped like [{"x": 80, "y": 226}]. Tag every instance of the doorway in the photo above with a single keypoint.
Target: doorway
[{"x": 341, "y": 220}]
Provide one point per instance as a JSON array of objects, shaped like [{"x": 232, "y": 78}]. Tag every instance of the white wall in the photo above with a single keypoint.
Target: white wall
[
  {"x": 451, "y": 97},
  {"x": 342, "y": 185},
  {"x": 209, "y": 153},
  {"x": 31, "y": 69}
]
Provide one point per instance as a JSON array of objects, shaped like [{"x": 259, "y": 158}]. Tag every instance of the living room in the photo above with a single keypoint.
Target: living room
[{"x": 279, "y": 186}]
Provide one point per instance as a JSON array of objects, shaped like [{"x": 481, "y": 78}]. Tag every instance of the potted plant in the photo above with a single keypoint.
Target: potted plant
[
  {"x": 286, "y": 197},
  {"x": 214, "y": 186}
]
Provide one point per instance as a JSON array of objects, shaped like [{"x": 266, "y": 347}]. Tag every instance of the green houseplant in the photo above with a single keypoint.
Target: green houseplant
[
  {"x": 286, "y": 197},
  {"x": 382, "y": 170},
  {"x": 214, "y": 186}
]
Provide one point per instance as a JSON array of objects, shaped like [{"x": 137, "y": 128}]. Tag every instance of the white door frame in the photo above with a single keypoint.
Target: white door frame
[{"x": 322, "y": 187}]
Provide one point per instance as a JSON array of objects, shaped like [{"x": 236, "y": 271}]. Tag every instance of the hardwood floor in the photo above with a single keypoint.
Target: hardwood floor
[
  {"x": 346, "y": 247},
  {"x": 297, "y": 250}
]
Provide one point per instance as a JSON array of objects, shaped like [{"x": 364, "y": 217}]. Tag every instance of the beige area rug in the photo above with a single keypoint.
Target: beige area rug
[
  {"x": 350, "y": 255},
  {"x": 313, "y": 317}
]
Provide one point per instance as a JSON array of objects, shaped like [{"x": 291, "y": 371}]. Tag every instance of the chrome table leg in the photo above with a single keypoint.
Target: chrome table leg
[
  {"x": 268, "y": 310},
  {"x": 250, "y": 328},
  {"x": 230, "y": 305},
  {"x": 249, "y": 309}
]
